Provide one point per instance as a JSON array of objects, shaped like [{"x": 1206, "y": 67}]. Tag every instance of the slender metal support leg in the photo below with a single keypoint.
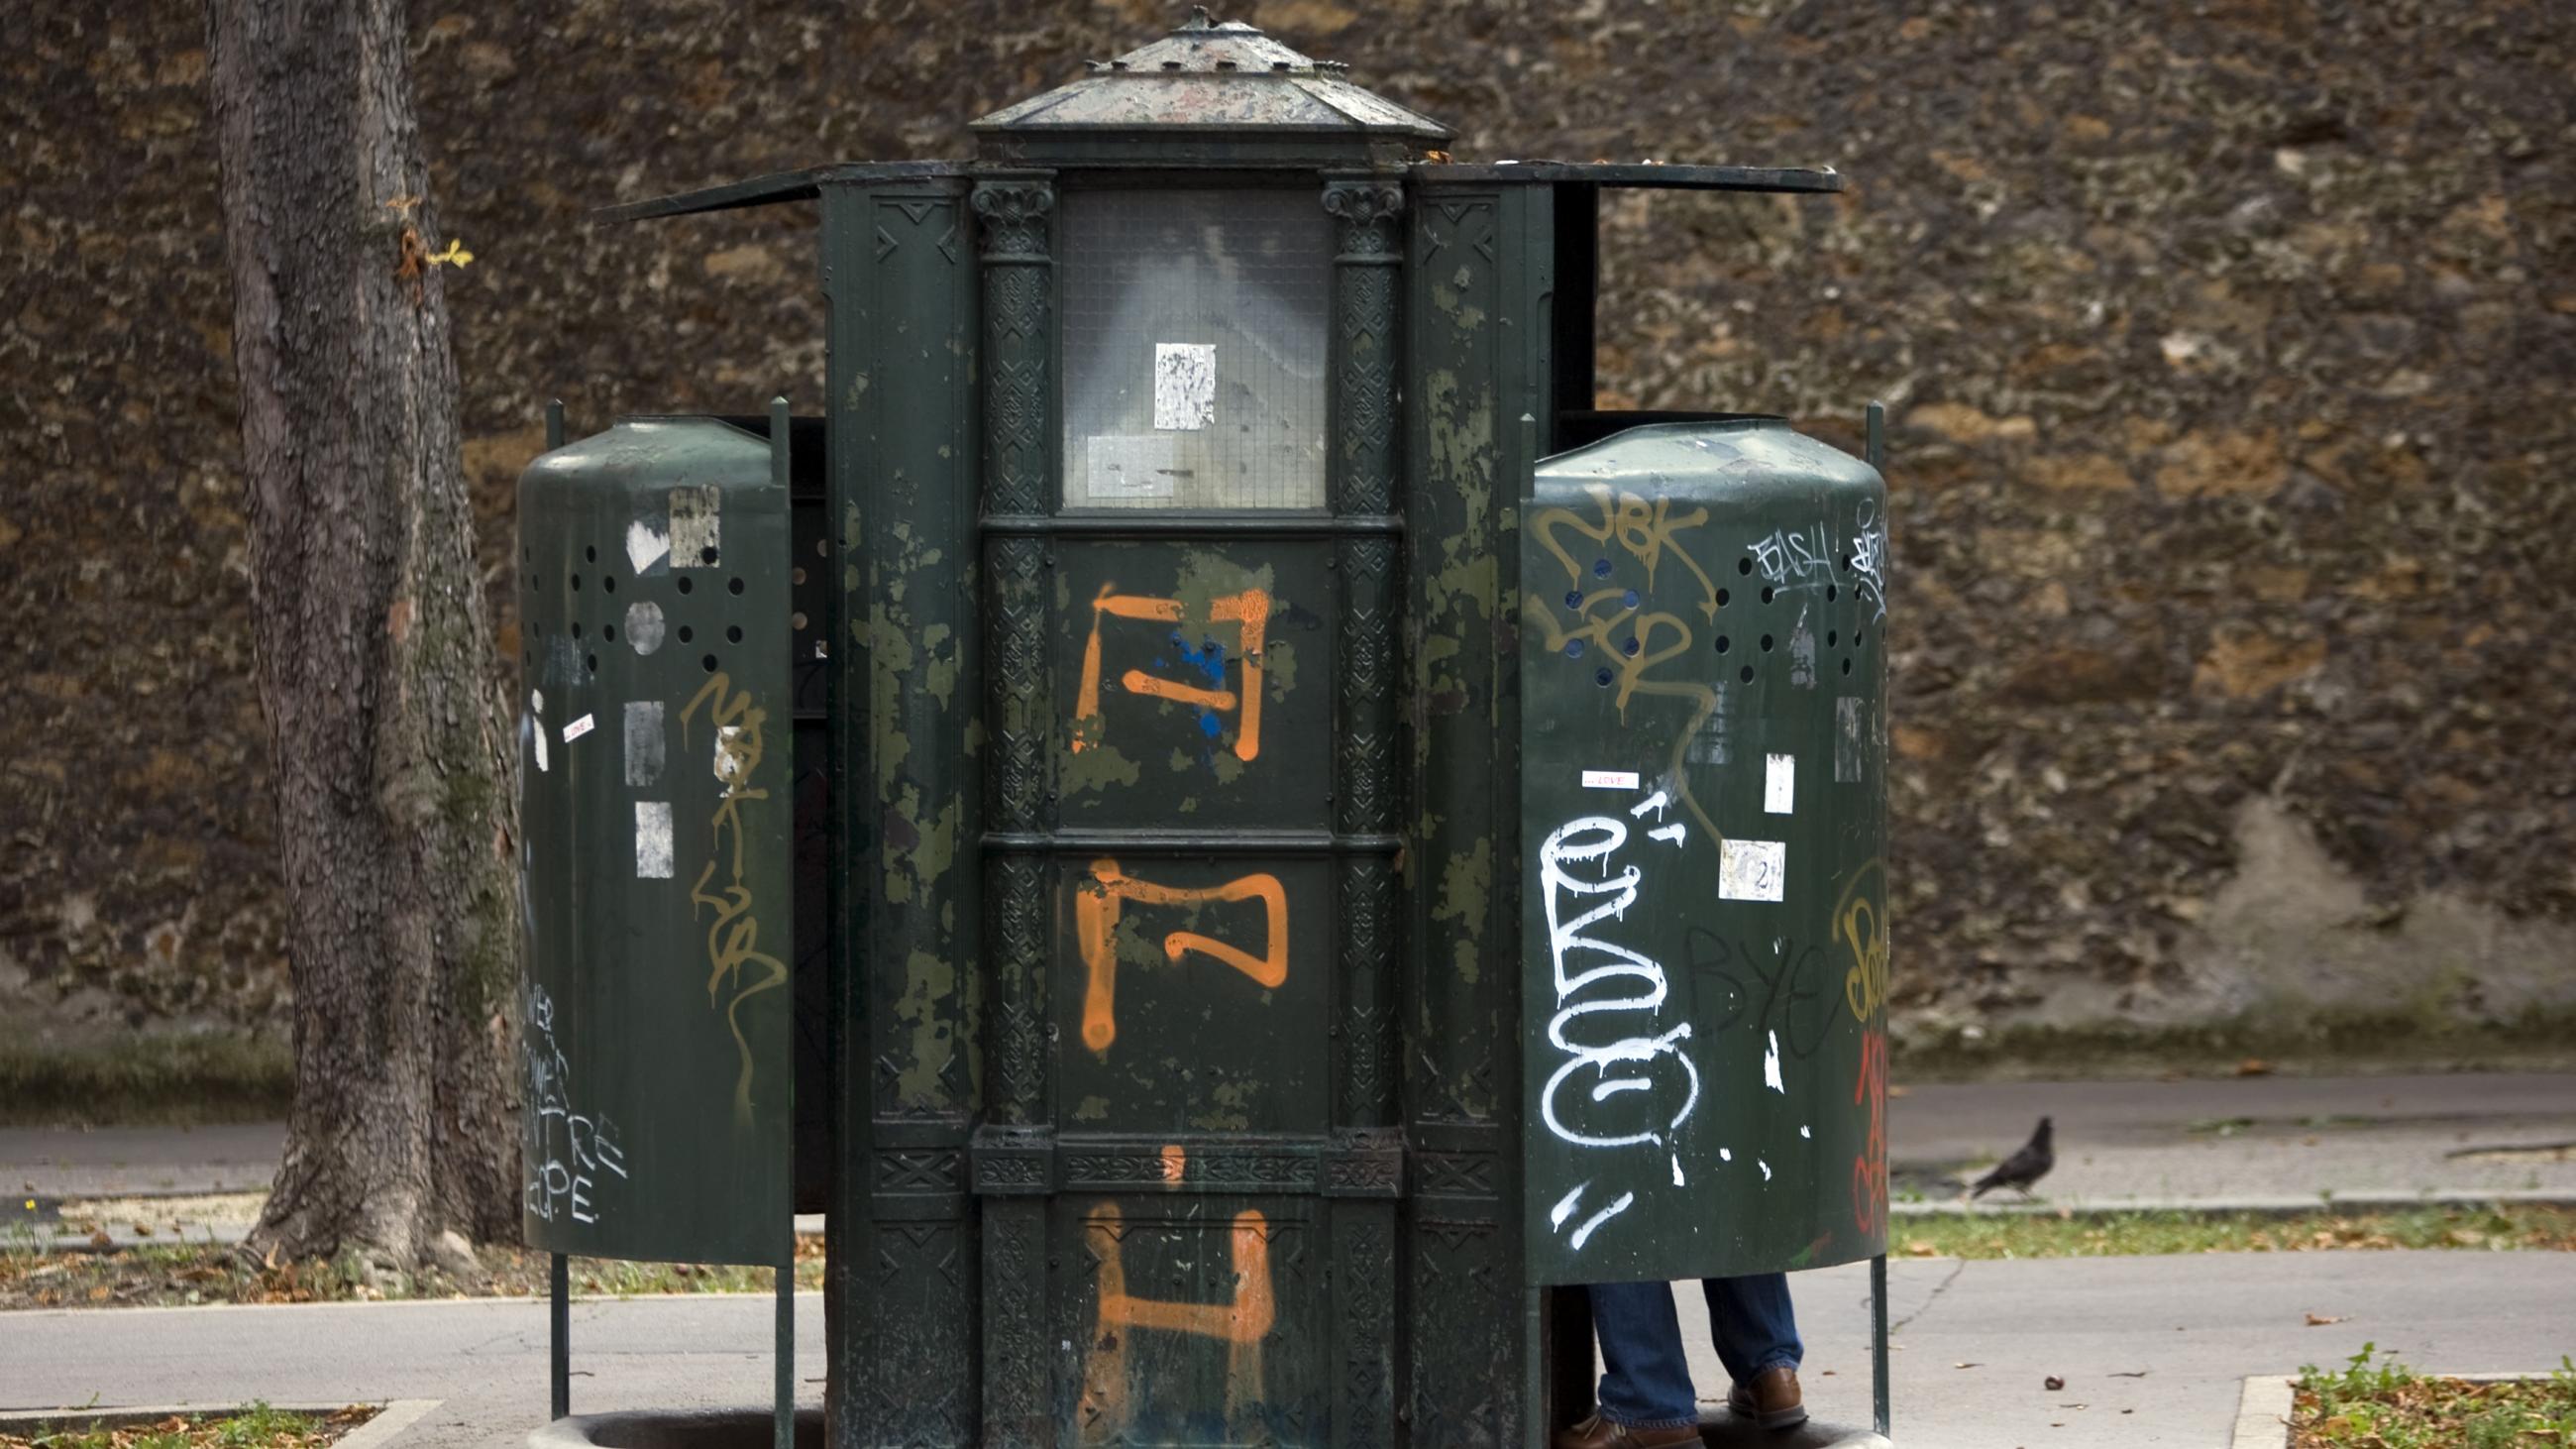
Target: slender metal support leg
[
  {"x": 1877, "y": 452},
  {"x": 1878, "y": 1341},
  {"x": 558, "y": 1271},
  {"x": 559, "y": 1331},
  {"x": 786, "y": 1351}
]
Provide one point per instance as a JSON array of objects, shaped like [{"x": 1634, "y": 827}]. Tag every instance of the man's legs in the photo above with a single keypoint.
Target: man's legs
[
  {"x": 1645, "y": 1382},
  {"x": 1753, "y": 1324}
]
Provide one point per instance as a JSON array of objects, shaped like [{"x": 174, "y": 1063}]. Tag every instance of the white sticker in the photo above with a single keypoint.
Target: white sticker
[
  {"x": 1752, "y": 870},
  {"x": 652, "y": 840},
  {"x": 730, "y": 766},
  {"x": 644, "y": 628},
  {"x": 644, "y": 748},
  {"x": 1133, "y": 465},
  {"x": 536, "y": 701},
  {"x": 1184, "y": 386},
  {"x": 1847, "y": 743},
  {"x": 538, "y": 737},
  {"x": 1779, "y": 783},
  {"x": 696, "y": 529},
  {"x": 1609, "y": 779},
  {"x": 645, "y": 544},
  {"x": 578, "y": 728}
]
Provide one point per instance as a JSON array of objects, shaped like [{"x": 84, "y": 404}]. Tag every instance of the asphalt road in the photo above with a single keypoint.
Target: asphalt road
[{"x": 2189, "y": 1329}]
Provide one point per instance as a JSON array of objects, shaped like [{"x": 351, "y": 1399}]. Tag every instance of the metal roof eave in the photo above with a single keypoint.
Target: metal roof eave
[
  {"x": 1643, "y": 176},
  {"x": 770, "y": 190}
]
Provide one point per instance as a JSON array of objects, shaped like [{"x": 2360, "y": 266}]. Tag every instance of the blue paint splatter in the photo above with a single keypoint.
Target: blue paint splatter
[
  {"x": 1208, "y": 659},
  {"x": 1209, "y": 724}
]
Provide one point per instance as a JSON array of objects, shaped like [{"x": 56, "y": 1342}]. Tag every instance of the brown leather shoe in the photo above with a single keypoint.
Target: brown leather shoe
[
  {"x": 1603, "y": 1432},
  {"x": 1772, "y": 1400}
]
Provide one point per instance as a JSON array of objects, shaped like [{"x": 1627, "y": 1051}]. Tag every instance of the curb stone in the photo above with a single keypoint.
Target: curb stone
[
  {"x": 2263, "y": 1414},
  {"x": 396, "y": 1416}
]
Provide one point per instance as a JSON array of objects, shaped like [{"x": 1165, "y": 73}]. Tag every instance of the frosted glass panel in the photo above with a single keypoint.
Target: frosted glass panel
[{"x": 1194, "y": 348}]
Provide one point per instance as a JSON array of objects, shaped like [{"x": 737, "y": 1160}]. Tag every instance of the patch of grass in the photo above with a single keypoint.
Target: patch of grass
[
  {"x": 179, "y": 1080},
  {"x": 2108, "y": 1235},
  {"x": 177, "y": 1275},
  {"x": 2335, "y": 1042},
  {"x": 257, "y": 1427},
  {"x": 2386, "y": 1405}
]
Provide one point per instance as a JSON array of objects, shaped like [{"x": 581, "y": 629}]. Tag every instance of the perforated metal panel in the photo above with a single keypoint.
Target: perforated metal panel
[
  {"x": 1703, "y": 828},
  {"x": 656, "y": 761}
]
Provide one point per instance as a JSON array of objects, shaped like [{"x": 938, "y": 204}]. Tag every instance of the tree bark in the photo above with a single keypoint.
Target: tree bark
[{"x": 394, "y": 779}]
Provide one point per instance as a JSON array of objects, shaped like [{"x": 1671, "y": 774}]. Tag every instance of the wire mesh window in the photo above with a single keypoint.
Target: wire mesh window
[{"x": 1194, "y": 348}]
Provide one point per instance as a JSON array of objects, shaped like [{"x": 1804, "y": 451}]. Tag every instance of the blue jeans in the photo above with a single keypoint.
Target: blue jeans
[{"x": 1646, "y": 1383}]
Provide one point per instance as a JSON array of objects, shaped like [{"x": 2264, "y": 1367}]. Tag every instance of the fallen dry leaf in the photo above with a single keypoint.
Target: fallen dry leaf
[
  {"x": 2053, "y": 1383},
  {"x": 1967, "y": 1365},
  {"x": 1919, "y": 1248},
  {"x": 2253, "y": 1067},
  {"x": 2320, "y": 1320}
]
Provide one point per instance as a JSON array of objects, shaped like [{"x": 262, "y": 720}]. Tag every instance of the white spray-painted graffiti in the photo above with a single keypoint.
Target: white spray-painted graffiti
[
  {"x": 1804, "y": 558},
  {"x": 1642, "y": 1085},
  {"x": 1869, "y": 559},
  {"x": 566, "y": 1152}
]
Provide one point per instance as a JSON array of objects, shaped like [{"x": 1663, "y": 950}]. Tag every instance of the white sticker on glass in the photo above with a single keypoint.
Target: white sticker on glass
[
  {"x": 1134, "y": 465},
  {"x": 1609, "y": 779},
  {"x": 1184, "y": 386},
  {"x": 1752, "y": 870},
  {"x": 1779, "y": 783}
]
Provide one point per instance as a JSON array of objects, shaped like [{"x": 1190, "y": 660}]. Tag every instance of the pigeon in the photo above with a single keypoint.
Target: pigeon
[{"x": 2023, "y": 1168}]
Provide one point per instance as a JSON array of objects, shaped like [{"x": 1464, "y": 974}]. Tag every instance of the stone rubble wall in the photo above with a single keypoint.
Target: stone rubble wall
[{"x": 2228, "y": 350}]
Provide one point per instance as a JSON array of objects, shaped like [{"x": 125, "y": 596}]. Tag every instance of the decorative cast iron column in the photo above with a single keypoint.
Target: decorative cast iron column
[
  {"x": 1012, "y": 1149},
  {"x": 1367, "y": 1153}
]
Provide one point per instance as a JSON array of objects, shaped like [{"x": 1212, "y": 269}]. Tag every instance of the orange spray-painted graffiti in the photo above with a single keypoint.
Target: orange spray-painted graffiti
[
  {"x": 1099, "y": 904},
  {"x": 1248, "y": 611},
  {"x": 1240, "y": 1324},
  {"x": 1869, "y": 1169},
  {"x": 733, "y": 941}
]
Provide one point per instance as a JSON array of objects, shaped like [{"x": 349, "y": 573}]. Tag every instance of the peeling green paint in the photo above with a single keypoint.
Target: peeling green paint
[
  {"x": 1093, "y": 1109},
  {"x": 928, "y": 982},
  {"x": 1279, "y": 670},
  {"x": 1206, "y": 576},
  {"x": 1226, "y": 1110},
  {"x": 939, "y": 672},
  {"x": 1096, "y": 767}
]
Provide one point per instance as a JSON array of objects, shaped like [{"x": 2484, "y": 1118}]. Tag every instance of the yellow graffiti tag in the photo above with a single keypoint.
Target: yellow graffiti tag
[
  {"x": 1643, "y": 527},
  {"x": 1858, "y": 924},
  {"x": 1605, "y": 622},
  {"x": 733, "y": 941}
]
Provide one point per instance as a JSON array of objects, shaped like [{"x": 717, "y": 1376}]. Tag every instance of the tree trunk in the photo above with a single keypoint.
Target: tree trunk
[{"x": 395, "y": 783}]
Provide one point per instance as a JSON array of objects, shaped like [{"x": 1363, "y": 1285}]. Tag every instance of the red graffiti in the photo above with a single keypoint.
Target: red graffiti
[{"x": 1869, "y": 1170}]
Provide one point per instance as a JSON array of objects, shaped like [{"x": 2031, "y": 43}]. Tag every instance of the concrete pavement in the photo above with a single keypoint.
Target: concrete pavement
[
  {"x": 2253, "y": 1141},
  {"x": 2153, "y": 1351}
]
